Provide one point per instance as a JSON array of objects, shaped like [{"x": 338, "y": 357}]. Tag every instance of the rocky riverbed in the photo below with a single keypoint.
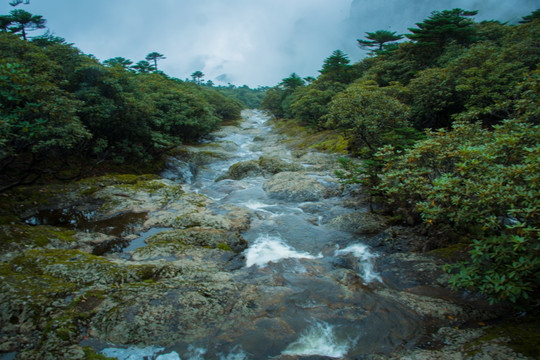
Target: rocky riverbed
[{"x": 243, "y": 248}]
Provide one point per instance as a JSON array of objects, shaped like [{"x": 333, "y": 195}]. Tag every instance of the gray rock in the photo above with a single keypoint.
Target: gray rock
[
  {"x": 358, "y": 222},
  {"x": 206, "y": 153},
  {"x": 242, "y": 170},
  {"x": 265, "y": 166},
  {"x": 202, "y": 237},
  {"x": 193, "y": 210},
  {"x": 295, "y": 186},
  {"x": 272, "y": 165}
]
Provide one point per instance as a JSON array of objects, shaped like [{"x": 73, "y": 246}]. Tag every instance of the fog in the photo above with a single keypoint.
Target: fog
[{"x": 252, "y": 42}]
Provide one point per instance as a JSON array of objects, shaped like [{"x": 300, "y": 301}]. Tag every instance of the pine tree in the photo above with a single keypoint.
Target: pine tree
[{"x": 379, "y": 38}]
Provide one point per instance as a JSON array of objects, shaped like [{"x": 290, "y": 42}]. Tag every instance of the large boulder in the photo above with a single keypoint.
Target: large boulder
[
  {"x": 242, "y": 170},
  {"x": 175, "y": 242},
  {"x": 194, "y": 210},
  {"x": 358, "y": 222},
  {"x": 295, "y": 186},
  {"x": 185, "y": 309},
  {"x": 273, "y": 165},
  {"x": 265, "y": 166},
  {"x": 206, "y": 153}
]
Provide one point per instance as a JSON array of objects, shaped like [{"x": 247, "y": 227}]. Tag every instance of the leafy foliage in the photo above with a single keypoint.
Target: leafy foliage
[
  {"x": 59, "y": 108},
  {"x": 197, "y": 76},
  {"x": 154, "y": 57},
  {"x": 21, "y": 21},
  {"x": 310, "y": 104},
  {"x": 535, "y": 15},
  {"x": 244, "y": 95},
  {"x": 442, "y": 27},
  {"x": 478, "y": 180},
  {"x": 379, "y": 39},
  {"x": 473, "y": 88},
  {"x": 119, "y": 61},
  {"x": 369, "y": 114},
  {"x": 143, "y": 67}
]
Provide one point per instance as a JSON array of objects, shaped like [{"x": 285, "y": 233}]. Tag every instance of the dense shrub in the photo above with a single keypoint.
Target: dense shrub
[
  {"x": 479, "y": 181},
  {"x": 474, "y": 88},
  {"x": 57, "y": 104},
  {"x": 371, "y": 116}
]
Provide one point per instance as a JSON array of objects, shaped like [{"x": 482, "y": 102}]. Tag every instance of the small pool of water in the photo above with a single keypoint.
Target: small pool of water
[
  {"x": 141, "y": 240},
  {"x": 85, "y": 221}
]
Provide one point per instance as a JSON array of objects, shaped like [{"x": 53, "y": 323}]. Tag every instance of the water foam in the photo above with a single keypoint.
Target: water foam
[
  {"x": 319, "y": 339},
  {"x": 236, "y": 354},
  {"x": 365, "y": 267},
  {"x": 267, "y": 248},
  {"x": 133, "y": 353},
  {"x": 256, "y": 205}
]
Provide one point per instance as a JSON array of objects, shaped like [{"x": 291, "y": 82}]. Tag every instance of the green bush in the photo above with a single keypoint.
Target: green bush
[
  {"x": 61, "y": 110},
  {"x": 370, "y": 114},
  {"x": 310, "y": 104},
  {"x": 482, "y": 182}
]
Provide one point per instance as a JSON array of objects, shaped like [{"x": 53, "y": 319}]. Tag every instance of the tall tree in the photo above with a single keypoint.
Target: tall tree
[
  {"x": 335, "y": 62},
  {"x": 535, "y": 15},
  {"x": 197, "y": 76},
  {"x": 442, "y": 27},
  {"x": 5, "y": 22},
  {"x": 378, "y": 39},
  {"x": 292, "y": 82},
  {"x": 125, "y": 63},
  {"x": 18, "y": 2},
  {"x": 22, "y": 21},
  {"x": 155, "y": 56},
  {"x": 143, "y": 67},
  {"x": 336, "y": 67}
]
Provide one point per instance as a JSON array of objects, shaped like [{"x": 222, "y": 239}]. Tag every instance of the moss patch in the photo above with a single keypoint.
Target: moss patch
[
  {"x": 89, "y": 186},
  {"x": 92, "y": 355},
  {"x": 79, "y": 268},
  {"x": 223, "y": 246},
  {"x": 303, "y": 137},
  {"x": 19, "y": 236},
  {"x": 451, "y": 253},
  {"x": 17, "y": 201},
  {"x": 523, "y": 336}
]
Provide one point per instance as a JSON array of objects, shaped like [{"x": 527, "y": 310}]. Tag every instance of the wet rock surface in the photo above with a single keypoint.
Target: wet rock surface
[
  {"x": 312, "y": 291},
  {"x": 295, "y": 186}
]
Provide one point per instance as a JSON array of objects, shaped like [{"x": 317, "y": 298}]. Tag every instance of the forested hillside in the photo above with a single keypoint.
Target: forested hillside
[
  {"x": 447, "y": 124},
  {"x": 63, "y": 113}
]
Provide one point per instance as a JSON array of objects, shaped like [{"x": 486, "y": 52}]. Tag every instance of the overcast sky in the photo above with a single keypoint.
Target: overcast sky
[{"x": 253, "y": 42}]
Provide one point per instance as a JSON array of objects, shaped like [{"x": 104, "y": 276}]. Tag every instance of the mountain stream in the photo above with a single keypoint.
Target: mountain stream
[{"x": 321, "y": 290}]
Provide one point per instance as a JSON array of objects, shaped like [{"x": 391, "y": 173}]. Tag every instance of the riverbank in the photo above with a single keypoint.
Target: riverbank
[{"x": 244, "y": 247}]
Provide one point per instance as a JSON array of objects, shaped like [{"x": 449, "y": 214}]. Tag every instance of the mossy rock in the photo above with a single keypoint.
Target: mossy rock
[
  {"x": 273, "y": 165},
  {"x": 203, "y": 154},
  {"x": 92, "y": 355},
  {"x": 78, "y": 268},
  {"x": 90, "y": 185},
  {"x": 451, "y": 253},
  {"x": 201, "y": 237},
  {"x": 20, "y": 236},
  {"x": 241, "y": 170},
  {"x": 521, "y": 335},
  {"x": 18, "y": 201},
  {"x": 265, "y": 166},
  {"x": 358, "y": 222}
]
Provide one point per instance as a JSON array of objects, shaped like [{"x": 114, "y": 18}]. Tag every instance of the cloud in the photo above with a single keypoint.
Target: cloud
[{"x": 253, "y": 42}]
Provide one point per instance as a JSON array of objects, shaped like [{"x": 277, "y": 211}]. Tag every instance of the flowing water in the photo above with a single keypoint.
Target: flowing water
[{"x": 319, "y": 281}]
